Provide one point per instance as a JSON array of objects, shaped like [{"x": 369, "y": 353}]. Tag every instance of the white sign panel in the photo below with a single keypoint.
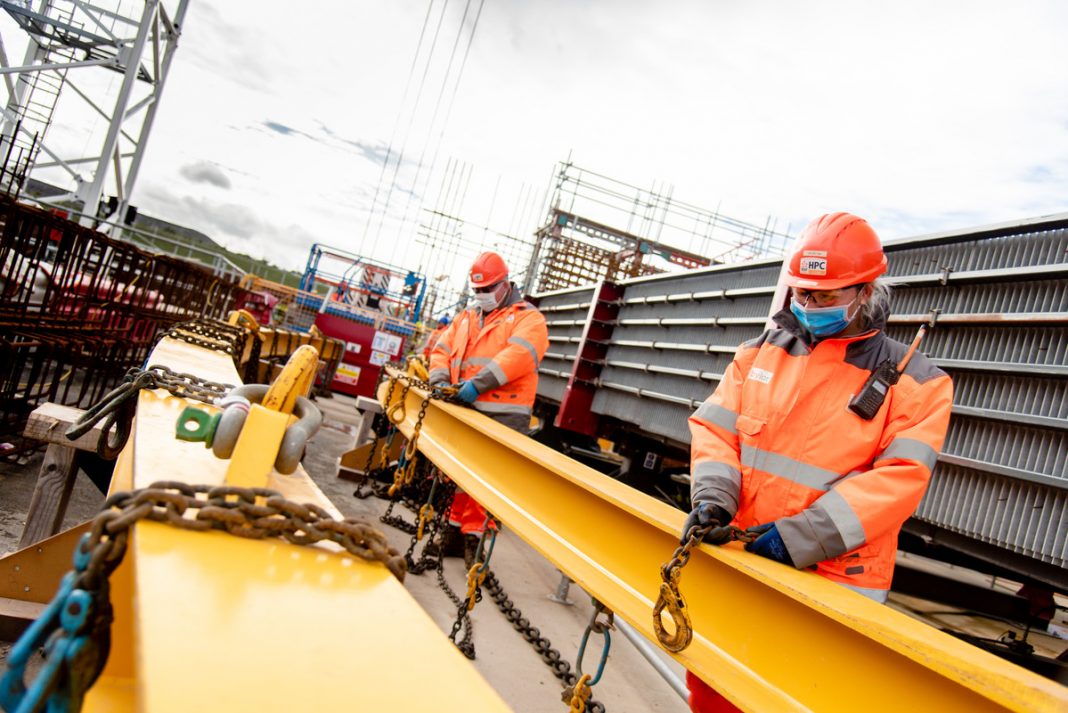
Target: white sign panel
[
  {"x": 379, "y": 358},
  {"x": 388, "y": 343}
]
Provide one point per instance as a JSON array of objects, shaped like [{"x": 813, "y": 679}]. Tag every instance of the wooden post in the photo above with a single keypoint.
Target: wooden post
[{"x": 58, "y": 471}]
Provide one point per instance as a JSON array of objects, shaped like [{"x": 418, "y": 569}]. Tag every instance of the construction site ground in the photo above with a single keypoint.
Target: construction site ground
[{"x": 503, "y": 657}]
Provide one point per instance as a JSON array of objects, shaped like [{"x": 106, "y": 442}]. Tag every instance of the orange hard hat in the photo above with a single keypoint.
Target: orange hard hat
[
  {"x": 835, "y": 250},
  {"x": 488, "y": 269}
]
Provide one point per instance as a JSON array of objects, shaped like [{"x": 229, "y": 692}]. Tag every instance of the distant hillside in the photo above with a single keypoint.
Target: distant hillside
[
  {"x": 198, "y": 245},
  {"x": 179, "y": 232}
]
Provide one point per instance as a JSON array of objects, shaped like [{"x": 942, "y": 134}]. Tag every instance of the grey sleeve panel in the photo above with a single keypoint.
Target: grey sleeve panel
[
  {"x": 439, "y": 376},
  {"x": 489, "y": 377},
  {"x": 716, "y": 483},
  {"x": 827, "y": 528},
  {"x": 910, "y": 449},
  {"x": 922, "y": 369}
]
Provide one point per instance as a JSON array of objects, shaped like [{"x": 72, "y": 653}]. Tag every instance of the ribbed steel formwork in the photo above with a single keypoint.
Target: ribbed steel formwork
[{"x": 998, "y": 299}]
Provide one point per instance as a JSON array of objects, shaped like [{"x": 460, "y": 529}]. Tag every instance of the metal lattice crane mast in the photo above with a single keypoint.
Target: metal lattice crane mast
[{"x": 69, "y": 35}]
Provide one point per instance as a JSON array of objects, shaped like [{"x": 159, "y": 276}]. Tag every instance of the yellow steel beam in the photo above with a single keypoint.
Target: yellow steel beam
[
  {"x": 767, "y": 636},
  {"x": 216, "y": 622}
]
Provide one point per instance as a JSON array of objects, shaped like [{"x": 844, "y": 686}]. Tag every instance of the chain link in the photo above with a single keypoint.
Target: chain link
[
  {"x": 369, "y": 465},
  {"x": 211, "y": 334},
  {"x": 75, "y": 627},
  {"x": 542, "y": 645},
  {"x": 671, "y": 599},
  {"x": 116, "y": 408}
]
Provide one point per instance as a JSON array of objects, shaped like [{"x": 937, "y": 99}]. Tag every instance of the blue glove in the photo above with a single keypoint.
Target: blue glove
[
  {"x": 707, "y": 514},
  {"x": 466, "y": 392},
  {"x": 769, "y": 544}
]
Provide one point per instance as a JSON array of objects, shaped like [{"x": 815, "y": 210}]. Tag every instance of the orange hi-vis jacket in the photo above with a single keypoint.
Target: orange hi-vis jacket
[
  {"x": 499, "y": 353},
  {"x": 432, "y": 340},
  {"x": 776, "y": 443}
]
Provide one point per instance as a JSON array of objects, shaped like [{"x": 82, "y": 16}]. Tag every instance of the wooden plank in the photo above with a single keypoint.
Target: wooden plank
[
  {"x": 50, "y": 495},
  {"x": 15, "y": 616},
  {"x": 49, "y": 421}
]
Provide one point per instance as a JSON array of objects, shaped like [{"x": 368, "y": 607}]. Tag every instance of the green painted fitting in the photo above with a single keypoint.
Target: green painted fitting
[{"x": 195, "y": 424}]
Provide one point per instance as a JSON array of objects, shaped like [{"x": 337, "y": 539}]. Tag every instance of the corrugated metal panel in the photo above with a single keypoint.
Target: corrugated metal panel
[
  {"x": 566, "y": 313},
  {"x": 1001, "y": 301}
]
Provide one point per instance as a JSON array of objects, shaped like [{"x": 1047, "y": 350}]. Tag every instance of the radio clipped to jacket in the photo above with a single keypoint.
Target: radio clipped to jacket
[{"x": 867, "y": 402}]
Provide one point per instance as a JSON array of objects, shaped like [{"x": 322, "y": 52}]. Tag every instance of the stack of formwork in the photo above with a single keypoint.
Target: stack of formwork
[{"x": 78, "y": 309}]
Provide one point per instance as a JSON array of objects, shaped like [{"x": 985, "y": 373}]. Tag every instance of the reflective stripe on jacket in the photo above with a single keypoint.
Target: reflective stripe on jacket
[
  {"x": 776, "y": 443},
  {"x": 499, "y": 353}
]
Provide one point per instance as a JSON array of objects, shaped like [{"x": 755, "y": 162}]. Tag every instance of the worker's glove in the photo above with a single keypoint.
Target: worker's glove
[
  {"x": 769, "y": 544},
  {"x": 707, "y": 514},
  {"x": 466, "y": 392}
]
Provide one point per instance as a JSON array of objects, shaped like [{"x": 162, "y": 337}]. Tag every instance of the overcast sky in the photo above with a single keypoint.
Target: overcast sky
[{"x": 920, "y": 116}]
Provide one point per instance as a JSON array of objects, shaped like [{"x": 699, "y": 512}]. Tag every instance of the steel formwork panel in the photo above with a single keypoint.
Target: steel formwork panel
[{"x": 998, "y": 297}]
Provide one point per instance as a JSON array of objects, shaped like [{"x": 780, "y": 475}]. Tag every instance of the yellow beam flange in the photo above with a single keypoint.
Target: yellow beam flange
[
  {"x": 767, "y": 636},
  {"x": 216, "y": 622}
]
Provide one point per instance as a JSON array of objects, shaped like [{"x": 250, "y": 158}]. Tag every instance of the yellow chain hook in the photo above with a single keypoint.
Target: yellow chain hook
[
  {"x": 396, "y": 412},
  {"x": 475, "y": 577},
  {"x": 671, "y": 599},
  {"x": 410, "y": 448},
  {"x": 417, "y": 368},
  {"x": 426, "y": 514},
  {"x": 579, "y": 695}
]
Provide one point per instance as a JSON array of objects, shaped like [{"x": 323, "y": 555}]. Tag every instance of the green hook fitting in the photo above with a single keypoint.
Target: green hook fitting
[{"x": 197, "y": 425}]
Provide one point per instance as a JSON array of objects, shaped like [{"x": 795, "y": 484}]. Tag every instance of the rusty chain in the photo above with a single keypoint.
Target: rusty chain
[
  {"x": 552, "y": 658},
  {"x": 671, "y": 599},
  {"x": 75, "y": 627},
  {"x": 543, "y": 646},
  {"x": 368, "y": 488},
  {"x": 116, "y": 408}
]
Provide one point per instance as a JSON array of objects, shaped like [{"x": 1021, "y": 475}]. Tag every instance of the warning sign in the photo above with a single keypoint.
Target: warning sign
[{"x": 347, "y": 374}]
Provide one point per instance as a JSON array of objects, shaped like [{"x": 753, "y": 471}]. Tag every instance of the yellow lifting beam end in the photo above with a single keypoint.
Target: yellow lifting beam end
[
  {"x": 207, "y": 620},
  {"x": 767, "y": 636}
]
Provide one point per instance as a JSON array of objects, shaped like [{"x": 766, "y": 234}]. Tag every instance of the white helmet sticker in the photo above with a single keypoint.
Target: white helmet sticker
[{"x": 813, "y": 262}]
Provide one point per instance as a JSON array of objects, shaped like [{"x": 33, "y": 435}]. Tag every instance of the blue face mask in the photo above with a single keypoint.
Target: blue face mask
[{"x": 822, "y": 321}]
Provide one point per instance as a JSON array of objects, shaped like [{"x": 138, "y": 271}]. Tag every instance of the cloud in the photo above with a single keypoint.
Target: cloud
[
  {"x": 205, "y": 172},
  {"x": 283, "y": 129},
  {"x": 375, "y": 152}
]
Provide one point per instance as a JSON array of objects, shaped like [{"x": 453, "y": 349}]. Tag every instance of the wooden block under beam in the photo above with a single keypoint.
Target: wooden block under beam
[
  {"x": 16, "y": 615},
  {"x": 49, "y": 422}
]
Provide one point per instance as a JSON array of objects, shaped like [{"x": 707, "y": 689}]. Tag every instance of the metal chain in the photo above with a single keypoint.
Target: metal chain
[
  {"x": 117, "y": 407},
  {"x": 75, "y": 627},
  {"x": 466, "y": 644},
  {"x": 211, "y": 334},
  {"x": 671, "y": 599},
  {"x": 550, "y": 656},
  {"x": 367, "y": 487},
  {"x": 440, "y": 507},
  {"x": 579, "y": 694}
]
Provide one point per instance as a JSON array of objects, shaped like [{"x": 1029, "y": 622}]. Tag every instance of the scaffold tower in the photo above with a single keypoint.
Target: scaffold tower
[{"x": 66, "y": 35}]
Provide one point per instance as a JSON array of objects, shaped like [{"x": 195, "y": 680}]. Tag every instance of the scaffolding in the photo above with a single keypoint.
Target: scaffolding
[
  {"x": 601, "y": 228},
  {"x": 65, "y": 35}
]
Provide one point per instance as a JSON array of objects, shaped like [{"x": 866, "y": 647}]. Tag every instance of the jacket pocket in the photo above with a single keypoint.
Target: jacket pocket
[{"x": 750, "y": 429}]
